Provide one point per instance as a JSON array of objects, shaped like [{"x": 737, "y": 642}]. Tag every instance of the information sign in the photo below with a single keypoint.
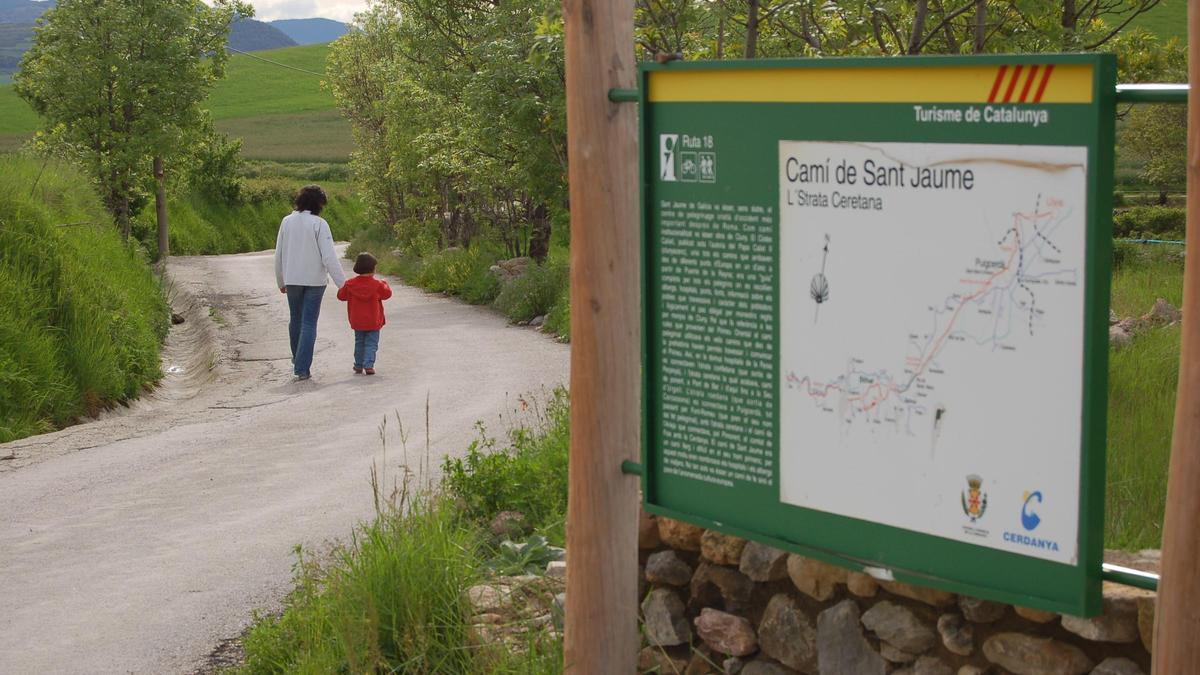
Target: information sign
[{"x": 876, "y": 302}]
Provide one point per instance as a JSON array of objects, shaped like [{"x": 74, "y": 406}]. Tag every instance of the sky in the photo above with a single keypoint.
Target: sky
[{"x": 341, "y": 10}]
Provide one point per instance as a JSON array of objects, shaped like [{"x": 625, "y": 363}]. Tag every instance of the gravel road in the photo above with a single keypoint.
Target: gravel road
[{"x": 137, "y": 542}]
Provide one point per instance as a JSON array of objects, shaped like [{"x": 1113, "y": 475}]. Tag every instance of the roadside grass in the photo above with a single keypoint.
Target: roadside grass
[
  {"x": 1141, "y": 398},
  {"x": 82, "y": 317},
  {"x": 1167, "y": 20},
  {"x": 394, "y": 598}
]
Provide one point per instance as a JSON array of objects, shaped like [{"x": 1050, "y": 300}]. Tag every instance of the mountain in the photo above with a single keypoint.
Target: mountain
[
  {"x": 248, "y": 35},
  {"x": 22, "y": 11},
  {"x": 310, "y": 31}
]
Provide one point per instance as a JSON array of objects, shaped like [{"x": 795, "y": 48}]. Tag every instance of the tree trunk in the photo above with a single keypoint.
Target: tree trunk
[
  {"x": 539, "y": 238},
  {"x": 1162, "y": 197},
  {"x": 160, "y": 210},
  {"x": 720, "y": 29},
  {"x": 752, "y": 29},
  {"x": 980, "y": 25},
  {"x": 918, "y": 27},
  {"x": 1070, "y": 17}
]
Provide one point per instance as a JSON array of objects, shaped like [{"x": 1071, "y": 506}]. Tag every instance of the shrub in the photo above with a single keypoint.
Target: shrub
[
  {"x": 451, "y": 270},
  {"x": 1150, "y": 222},
  {"x": 529, "y": 475},
  {"x": 558, "y": 321},
  {"x": 534, "y": 292}
]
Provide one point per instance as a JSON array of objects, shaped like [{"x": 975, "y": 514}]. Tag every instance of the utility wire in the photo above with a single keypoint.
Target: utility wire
[{"x": 274, "y": 63}]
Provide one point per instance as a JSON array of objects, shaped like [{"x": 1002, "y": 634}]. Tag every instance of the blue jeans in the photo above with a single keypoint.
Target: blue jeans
[
  {"x": 366, "y": 343},
  {"x": 305, "y": 304}
]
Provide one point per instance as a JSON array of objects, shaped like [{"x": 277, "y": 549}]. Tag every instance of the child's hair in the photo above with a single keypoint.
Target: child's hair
[
  {"x": 364, "y": 263},
  {"x": 311, "y": 198}
]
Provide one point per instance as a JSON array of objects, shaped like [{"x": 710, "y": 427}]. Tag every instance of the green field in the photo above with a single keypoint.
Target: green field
[
  {"x": 1167, "y": 20},
  {"x": 279, "y": 112}
]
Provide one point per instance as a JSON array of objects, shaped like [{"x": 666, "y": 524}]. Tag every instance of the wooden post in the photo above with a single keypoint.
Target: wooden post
[
  {"x": 1177, "y": 617},
  {"x": 601, "y": 618},
  {"x": 160, "y": 208}
]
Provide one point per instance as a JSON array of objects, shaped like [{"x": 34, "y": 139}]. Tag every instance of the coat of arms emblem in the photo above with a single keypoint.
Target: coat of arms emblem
[{"x": 974, "y": 499}]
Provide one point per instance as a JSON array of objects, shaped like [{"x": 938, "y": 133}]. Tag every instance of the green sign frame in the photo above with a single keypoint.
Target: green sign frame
[{"x": 750, "y": 131}]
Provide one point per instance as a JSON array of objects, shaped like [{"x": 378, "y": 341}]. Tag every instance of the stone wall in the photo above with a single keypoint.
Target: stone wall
[{"x": 712, "y": 603}]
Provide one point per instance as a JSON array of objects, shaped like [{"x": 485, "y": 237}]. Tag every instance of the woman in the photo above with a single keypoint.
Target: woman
[{"x": 303, "y": 256}]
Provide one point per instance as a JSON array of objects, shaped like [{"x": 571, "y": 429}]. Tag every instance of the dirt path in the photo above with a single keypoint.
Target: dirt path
[{"x": 137, "y": 542}]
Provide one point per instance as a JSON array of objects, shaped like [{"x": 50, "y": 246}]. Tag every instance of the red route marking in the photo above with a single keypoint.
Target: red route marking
[
  {"x": 997, "y": 83},
  {"x": 1012, "y": 84},
  {"x": 1042, "y": 87},
  {"x": 1029, "y": 82}
]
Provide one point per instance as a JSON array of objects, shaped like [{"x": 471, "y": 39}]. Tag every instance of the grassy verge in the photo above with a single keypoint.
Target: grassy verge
[
  {"x": 1141, "y": 398},
  {"x": 81, "y": 316},
  {"x": 542, "y": 291},
  {"x": 394, "y": 598}
]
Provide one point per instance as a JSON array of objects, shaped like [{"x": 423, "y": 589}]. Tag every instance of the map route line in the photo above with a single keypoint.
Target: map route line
[{"x": 880, "y": 385}]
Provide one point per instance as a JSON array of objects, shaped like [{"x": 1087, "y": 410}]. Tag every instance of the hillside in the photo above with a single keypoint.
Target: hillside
[
  {"x": 1167, "y": 20},
  {"x": 248, "y": 35},
  {"x": 311, "y": 31},
  {"x": 271, "y": 100},
  {"x": 22, "y": 11}
]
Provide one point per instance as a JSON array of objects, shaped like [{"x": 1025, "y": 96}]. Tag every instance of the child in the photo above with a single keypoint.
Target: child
[{"x": 365, "y": 295}]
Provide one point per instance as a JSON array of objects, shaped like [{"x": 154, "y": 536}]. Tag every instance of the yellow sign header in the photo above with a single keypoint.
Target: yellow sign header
[{"x": 1005, "y": 84}]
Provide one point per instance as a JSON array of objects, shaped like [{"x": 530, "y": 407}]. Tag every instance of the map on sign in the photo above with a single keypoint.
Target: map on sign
[{"x": 927, "y": 292}]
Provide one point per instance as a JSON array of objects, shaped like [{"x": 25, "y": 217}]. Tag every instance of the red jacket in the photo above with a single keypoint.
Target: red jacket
[{"x": 365, "y": 295}]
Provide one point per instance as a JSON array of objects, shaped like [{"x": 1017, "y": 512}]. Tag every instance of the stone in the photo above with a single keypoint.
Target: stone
[
  {"x": 895, "y": 655},
  {"x": 556, "y": 569},
  {"x": 862, "y": 585},
  {"x": 1030, "y": 655},
  {"x": 1118, "y": 665},
  {"x": 177, "y": 318},
  {"x": 898, "y": 626},
  {"x": 1119, "y": 620},
  {"x": 647, "y": 531},
  {"x": 980, "y": 611},
  {"x": 1112, "y": 317},
  {"x": 678, "y": 534},
  {"x": 765, "y": 667},
  {"x": 714, "y": 584},
  {"x": 732, "y": 665},
  {"x": 1118, "y": 337},
  {"x": 655, "y": 660},
  {"x": 1034, "y": 615},
  {"x": 787, "y": 635},
  {"x": 722, "y": 549},
  {"x": 931, "y": 665},
  {"x": 507, "y": 270},
  {"x": 1146, "y": 606},
  {"x": 813, "y": 577},
  {"x": 537, "y": 321},
  {"x": 970, "y": 670},
  {"x": 760, "y": 562},
  {"x": 701, "y": 664},
  {"x": 1162, "y": 313},
  {"x": 666, "y": 567},
  {"x": 841, "y": 647},
  {"x": 558, "y": 610},
  {"x": 510, "y": 525},
  {"x": 929, "y": 596},
  {"x": 486, "y": 598},
  {"x": 957, "y": 634},
  {"x": 726, "y": 633},
  {"x": 663, "y": 619}
]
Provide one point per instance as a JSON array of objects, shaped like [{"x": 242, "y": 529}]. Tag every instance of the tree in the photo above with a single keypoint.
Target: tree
[{"x": 119, "y": 82}]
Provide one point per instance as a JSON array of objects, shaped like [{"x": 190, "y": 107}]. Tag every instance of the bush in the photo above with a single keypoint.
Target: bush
[
  {"x": 534, "y": 292},
  {"x": 81, "y": 315},
  {"x": 529, "y": 475},
  {"x": 1150, "y": 222},
  {"x": 558, "y": 321},
  {"x": 454, "y": 269}
]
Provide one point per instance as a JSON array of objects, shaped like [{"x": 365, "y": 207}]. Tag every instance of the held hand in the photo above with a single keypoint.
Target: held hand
[{"x": 283, "y": 289}]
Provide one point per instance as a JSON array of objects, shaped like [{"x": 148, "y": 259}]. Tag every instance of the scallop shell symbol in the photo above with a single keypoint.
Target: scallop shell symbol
[{"x": 819, "y": 289}]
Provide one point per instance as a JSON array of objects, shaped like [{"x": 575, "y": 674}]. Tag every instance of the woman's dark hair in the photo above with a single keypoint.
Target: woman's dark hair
[
  {"x": 312, "y": 199},
  {"x": 364, "y": 263}
]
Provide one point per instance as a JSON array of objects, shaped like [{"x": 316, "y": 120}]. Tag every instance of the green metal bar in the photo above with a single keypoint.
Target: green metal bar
[
  {"x": 1152, "y": 93},
  {"x": 1129, "y": 577},
  {"x": 631, "y": 468},
  {"x": 623, "y": 95}
]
